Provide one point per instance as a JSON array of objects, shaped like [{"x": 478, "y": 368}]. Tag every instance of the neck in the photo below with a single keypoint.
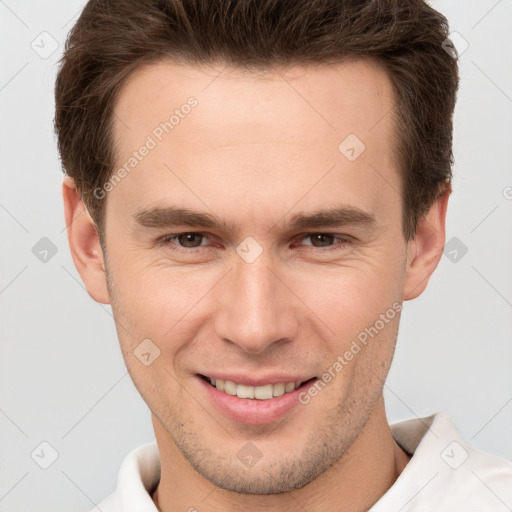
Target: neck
[{"x": 355, "y": 482}]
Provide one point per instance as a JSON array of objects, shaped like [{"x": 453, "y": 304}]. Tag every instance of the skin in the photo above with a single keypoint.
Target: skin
[{"x": 258, "y": 148}]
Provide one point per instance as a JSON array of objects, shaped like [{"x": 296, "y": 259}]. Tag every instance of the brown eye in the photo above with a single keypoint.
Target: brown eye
[
  {"x": 190, "y": 240},
  {"x": 321, "y": 243},
  {"x": 184, "y": 241},
  {"x": 321, "y": 239}
]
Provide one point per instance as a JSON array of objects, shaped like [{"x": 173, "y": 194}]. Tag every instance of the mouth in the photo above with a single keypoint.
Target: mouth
[{"x": 262, "y": 392}]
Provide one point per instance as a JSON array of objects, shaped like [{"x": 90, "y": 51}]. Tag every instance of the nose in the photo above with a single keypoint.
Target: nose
[{"x": 255, "y": 308}]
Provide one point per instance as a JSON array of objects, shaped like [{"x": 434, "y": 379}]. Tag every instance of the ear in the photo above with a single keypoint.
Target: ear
[
  {"x": 84, "y": 243},
  {"x": 426, "y": 250}
]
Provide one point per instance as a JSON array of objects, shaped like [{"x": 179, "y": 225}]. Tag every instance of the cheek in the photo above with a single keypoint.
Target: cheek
[
  {"x": 155, "y": 300},
  {"x": 349, "y": 299}
]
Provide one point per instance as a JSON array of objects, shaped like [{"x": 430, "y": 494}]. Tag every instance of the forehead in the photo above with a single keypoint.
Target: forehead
[
  {"x": 353, "y": 94},
  {"x": 262, "y": 135}
]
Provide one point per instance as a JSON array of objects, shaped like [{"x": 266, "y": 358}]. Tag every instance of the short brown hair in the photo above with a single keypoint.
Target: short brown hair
[{"x": 113, "y": 38}]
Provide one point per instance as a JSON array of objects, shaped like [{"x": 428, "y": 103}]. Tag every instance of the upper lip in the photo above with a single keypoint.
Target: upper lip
[{"x": 247, "y": 380}]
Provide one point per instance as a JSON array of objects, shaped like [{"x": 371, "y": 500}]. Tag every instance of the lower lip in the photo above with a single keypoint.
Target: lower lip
[{"x": 253, "y": 411}]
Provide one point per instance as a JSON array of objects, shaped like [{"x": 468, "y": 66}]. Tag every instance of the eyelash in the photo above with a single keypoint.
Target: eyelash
[{"x": 344, "y": 240}]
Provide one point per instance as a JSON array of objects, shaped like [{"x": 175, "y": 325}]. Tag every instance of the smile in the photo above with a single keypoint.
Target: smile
[
  {"x": 265, "y": 392},
  {"x": 258, "y": 400}
]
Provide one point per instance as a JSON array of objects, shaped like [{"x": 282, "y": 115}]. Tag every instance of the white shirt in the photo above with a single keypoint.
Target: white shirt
[{"x": 444, "y": 474}]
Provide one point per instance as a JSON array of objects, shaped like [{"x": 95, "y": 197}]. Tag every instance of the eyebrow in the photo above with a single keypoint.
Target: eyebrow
[{"x": 172, "y": 216}]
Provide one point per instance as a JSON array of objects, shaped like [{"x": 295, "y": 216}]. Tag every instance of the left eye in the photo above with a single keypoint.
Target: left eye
[
  {"x": 322, "y": 239},
  {"x": 186, "y": 240}
]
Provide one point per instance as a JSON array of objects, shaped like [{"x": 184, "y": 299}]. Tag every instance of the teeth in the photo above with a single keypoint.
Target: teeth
[
  {"x": 291, "y": 386},
  {"x": 230, "y": 388},
  {"x": 244, "y": 391},
  {"x": 265, "y": 392},
  {"x": 278, "y": 389}
]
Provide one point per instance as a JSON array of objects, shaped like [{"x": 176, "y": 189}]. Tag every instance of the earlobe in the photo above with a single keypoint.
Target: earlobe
[
  {"x": 84, "y": 243},
  {"x": 426, "y": 250}
]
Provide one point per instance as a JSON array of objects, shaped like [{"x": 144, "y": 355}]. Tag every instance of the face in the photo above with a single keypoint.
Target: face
[{"x": 255, "y": 245}]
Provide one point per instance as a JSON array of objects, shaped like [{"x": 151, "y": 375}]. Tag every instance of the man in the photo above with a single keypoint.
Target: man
[{"x": 256, "y": 187}]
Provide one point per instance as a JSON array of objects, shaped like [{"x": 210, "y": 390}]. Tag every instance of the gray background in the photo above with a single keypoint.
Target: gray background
[{"x": 62, "y": 377}]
